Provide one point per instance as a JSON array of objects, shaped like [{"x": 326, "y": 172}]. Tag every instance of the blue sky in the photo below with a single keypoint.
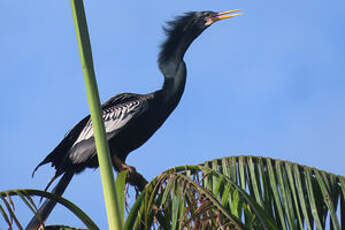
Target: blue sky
[{"x": 270, "y": 83}]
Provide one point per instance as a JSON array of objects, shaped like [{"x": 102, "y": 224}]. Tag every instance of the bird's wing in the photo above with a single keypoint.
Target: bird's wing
[
  {"x": 117, "y": 112},
  {"x": 57, "y": 155}
]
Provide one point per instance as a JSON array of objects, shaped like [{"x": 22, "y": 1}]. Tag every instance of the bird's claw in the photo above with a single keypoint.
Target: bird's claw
[{"x": 130, "y": 169}]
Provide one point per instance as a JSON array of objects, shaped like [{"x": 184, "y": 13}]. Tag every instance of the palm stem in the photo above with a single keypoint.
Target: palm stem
[{"x": 110, "y": 195}]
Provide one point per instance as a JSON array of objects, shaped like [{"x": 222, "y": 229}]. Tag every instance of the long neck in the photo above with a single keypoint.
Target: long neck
[
  {"x": 174, "y": 73},
  {"x": 173, "y": 68}
]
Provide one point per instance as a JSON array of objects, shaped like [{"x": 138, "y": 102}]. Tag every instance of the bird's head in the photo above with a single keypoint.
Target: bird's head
[
  {"x": 184, "y": 29},
  {"x": 199, "y": 21}
]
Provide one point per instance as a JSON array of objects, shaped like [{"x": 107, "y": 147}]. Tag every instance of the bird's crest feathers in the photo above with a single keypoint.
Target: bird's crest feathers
[{"x": 173, "y": 31}]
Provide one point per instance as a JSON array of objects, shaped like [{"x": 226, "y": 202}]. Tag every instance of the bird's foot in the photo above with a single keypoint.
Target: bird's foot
[
  {"x": 131, "y": 172},
  {"x": 130, "y": 169},
  {"x": 133, "y": 177},
  {"x": 119, "y": 165}
]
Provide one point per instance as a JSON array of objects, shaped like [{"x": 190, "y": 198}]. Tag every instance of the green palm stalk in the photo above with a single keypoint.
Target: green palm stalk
[{"x": 110, "y": 195}]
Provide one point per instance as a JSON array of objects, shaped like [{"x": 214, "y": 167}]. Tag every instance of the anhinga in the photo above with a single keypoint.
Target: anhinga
[{"x": 130, "y": 119}]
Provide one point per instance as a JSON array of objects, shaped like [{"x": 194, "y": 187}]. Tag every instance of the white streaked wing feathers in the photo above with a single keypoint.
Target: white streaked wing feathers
[{"x": 114, "y": 118}]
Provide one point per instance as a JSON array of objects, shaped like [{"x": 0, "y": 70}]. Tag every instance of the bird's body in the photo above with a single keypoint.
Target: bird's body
[
  {"x": 128, "y": 125},
  {"x": 130, "y": 119}
]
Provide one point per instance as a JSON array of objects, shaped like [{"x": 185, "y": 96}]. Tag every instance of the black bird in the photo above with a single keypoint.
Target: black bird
[{"x": 130, "y": 119}]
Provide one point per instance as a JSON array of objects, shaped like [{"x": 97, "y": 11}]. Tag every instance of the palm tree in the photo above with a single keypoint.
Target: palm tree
[{"x": 236, "y": 192}]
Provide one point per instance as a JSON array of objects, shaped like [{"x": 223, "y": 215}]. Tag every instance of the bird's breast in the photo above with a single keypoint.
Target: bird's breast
[{"x": 136, "y": 132}]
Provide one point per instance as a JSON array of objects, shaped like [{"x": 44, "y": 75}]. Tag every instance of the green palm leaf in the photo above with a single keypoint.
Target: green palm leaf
[
  {"x": 241, "y": 192},
  {"x": 8, "y": 213}
]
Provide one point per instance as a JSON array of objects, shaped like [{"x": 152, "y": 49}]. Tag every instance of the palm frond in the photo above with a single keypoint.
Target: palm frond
[
  {"x": 25, "y": 195},
  {"x": 241, "y": 192}
]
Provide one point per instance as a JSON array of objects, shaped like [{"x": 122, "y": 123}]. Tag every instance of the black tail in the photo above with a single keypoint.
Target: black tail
[{"x": 48, "y": 205}]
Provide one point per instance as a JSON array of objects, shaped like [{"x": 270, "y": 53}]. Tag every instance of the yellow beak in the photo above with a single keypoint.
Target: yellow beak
[{"x": 222, "y": 15}]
